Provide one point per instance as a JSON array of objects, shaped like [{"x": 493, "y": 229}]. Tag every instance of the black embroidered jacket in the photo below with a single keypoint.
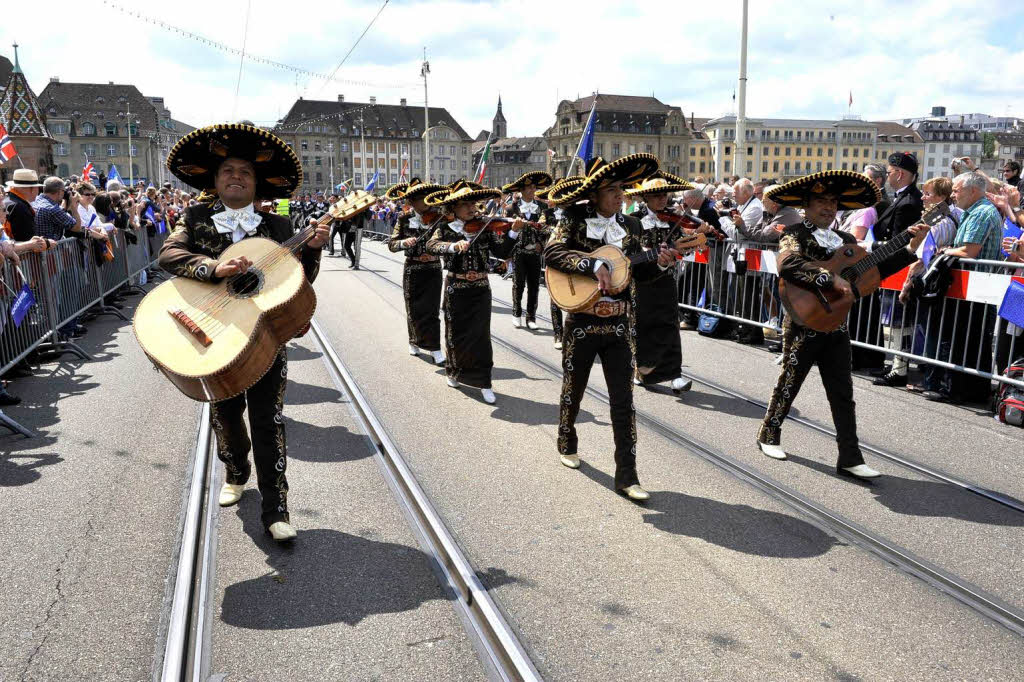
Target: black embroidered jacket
[
  {"x": 195, "y": 246},
  {"x": 475, "y": 258},
  {"x": 531, "y": 236},
  {"x": 404, "y": 230}
]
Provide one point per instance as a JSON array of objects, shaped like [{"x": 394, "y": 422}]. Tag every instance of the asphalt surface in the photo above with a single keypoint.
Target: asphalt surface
[
  {"x": 711, "y": 578},
  {"x": 91, "y": 512},
  {"x": 353, "y": 597}
]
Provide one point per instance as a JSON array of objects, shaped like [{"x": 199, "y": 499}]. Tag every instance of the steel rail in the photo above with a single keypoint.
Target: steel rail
[
  {"x": 503, "y": 654},
  {"x": 972, "y": 596}
]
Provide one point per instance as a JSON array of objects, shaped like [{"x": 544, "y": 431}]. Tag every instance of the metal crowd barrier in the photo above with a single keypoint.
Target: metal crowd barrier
[
  {"x": 738, "y": 281},
  {"x": 66, "y": 282},
  {"x": 377, "y": 230}
]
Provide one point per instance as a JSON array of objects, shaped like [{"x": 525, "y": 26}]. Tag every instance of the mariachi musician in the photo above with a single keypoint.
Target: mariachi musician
[
  {"x": 242, "y": 162},
  {"x": 821, "y": 195},
  {"x": 659, "y": 355},
  {"x": 606, "y": 330},
  {"x": 421, "y": 273},
  {"x": 526, "y": 258},
  {"x": 465, "y": 243}
]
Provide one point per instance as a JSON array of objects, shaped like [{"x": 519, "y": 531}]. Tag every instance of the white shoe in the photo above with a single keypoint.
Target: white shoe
[
  {"x": 637, "y": 382},
  {"x": 558, "y": 345},
  {"x": 635, "y": 492},
  {"x": 488, "y": 395},
  {"x": 453, "y": 383},
  {"x": 414, "y": 350},
  {"x": 571, "y": 461},
  {"x": 438, "y": 357},
  {"x": 517, "y": 322},
  {"x": 282, "y": 531},
  {"x": 530, "y": 324},
  {"x": 773, "y": 451},
  {"x": 680, "y": 384},
  {"x": 230, "y": 494},
  {"x": 860, "y": 471}
]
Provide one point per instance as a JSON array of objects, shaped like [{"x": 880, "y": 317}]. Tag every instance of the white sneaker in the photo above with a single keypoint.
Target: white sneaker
[
  {"x": 282, "y": 531},
  {"x": 558, "y": 345},
  {"x": 773, "y": 451},
  {"x": 517, "y": 322},
  {"x": 571, "y": 461},
  {"x": 530, "y": 324},
  {"x": 637, "y": 382},
  {"x": 453, "y": 383},
  {"x": 860, "y": 471},
  {"x": 438, "y": 357},
  {"x": 230, "y": 494},
  {"x": 414, "y": 350},
  {"x": 488, "y": 395},
  {"x": 680, "y": 384}
]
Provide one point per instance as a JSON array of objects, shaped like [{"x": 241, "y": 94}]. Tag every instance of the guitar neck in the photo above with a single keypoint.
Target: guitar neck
[{"x": 931, "y": 217}]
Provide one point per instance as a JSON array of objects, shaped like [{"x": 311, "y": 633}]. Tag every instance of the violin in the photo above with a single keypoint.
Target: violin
[
  {"x": 680, "y": 220},
  {"x": 497, "y": 224}
]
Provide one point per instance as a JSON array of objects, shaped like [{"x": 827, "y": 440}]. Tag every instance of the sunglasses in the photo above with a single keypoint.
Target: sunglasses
[{"x": 88, "y": 194}]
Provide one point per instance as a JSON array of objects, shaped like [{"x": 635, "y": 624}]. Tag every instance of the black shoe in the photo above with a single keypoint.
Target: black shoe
[
  {"x": 8, "y": 399},
  {"x": 355, "y": 267},
  {"x": 77, "y": 332},
  {"x": 891, "y": 379},
  {"x": 880, "y": 371},
  {"x": 935, "y": 396}
]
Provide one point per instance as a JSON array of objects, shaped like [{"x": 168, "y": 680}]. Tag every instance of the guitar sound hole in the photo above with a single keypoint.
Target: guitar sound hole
[
  {"x": 848, "y": 252},
  {"x": 247, "y": 285}
]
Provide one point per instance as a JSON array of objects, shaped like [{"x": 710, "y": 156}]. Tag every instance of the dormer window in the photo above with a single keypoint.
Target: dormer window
[
  {"x": 52, "y": 110},
  {"x": 76, "y": 113},
  {"x": 99, "y": 100}
]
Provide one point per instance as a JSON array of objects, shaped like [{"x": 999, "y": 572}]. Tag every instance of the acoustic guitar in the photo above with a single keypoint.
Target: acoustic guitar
[
  {"x": 573, "y": 292},
  {"x": 215, "y": 340},
  {"x": 826, "y": 311}
]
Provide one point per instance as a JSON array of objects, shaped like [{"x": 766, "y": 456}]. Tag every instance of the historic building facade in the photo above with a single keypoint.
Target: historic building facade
[{"x": 26, "y": 124}]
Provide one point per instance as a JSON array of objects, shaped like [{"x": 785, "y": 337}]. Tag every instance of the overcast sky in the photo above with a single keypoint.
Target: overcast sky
[{"x": 899, "y": 58}]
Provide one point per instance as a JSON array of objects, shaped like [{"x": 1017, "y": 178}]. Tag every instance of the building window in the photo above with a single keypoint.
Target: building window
[
  {"x": 599, "y": 148},
  {"x": 319, "y": 177},
  {"x": 344, "y": 146},
  {"x": 819, "y": 151},
  {"x": 764, "y": 166},
  {"x": 846, "y": 153},
  {"x": 693, "y": 151},
  {"x": 798, "y": 150},
  {"x": 615, "y": 150},
  {"x": 452, "y": 164},
  {"x": 359, "y": 179},
  {"x": 355, "y": 146},
  {"x": 750, "y": 167},
  {"x": 632, "y": 149},
  {"x": 111, "y": 129},
  {"x": 62, "y": 150},
  {"x": 845, "y": 166},
  {"x": 111, "y": 150},
  {"x": 727, "y": 164},
  {"x": 416, "y": 164},
  {"x": 318, "y": 161},
  {"x": 856, "y": 153},
  {"x": 465, "y": 164},
  {"x": 854, "y": 167},
  {"x": 316, "y": 145},
  {"x": 775, "y": 166},
  {"x": 728, "y": 150},
  {"x": 304, "y": 145},
  {"x": 776, "y": 151},
  {"x": 89, "y": 129},
  {"x": 817, "y": 166},
  {"x": 785, "y": 167},
  {"x": 305, "y": 161},
  {"x": 89, "y": 149},
  {"x": 649, "y": 148},
  {"x": 134, "y": 151},
  {"x": 703, "y": 166},
  {"x": 693, "y": 166}
]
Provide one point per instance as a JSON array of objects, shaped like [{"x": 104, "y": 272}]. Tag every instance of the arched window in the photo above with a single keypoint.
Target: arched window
[
  {"x": 111, "y": 129},
  {"x": 132, "y": 128},
  {"x": 88, "y": 129},
  {"x": 63, "y": 170}
]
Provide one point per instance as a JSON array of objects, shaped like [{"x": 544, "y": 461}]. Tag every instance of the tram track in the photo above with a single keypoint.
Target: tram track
[
  {"x": 960, "y": 589},
  {"x": 907, "y": 463}
]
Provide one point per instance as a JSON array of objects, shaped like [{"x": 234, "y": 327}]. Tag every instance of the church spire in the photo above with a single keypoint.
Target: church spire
[
  {"x": 17, "y": 66},
  {"x": 499, "y": 127}
]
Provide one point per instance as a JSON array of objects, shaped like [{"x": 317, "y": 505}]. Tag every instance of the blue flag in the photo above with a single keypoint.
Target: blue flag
[
  {"x": 24, "y": 301},
  {"x": 372, "y": 185},
  {"x": 161, "y": 226},
  {"x": 928, "y": 251},
  {"x": 113, "y": 175},
  {"x": 1012, "y": 307},
  {"x": 1010, "y": 229},
  {"x": 586, "y": 149},
  {"x": 703, "y": 298}
]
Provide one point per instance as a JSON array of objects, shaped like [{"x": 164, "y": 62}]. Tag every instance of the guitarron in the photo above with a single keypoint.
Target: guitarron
[
  {"x": 573, "y": 292},
  {"x": 826, "y": 311},
  {"x": 214, "y": 341}
]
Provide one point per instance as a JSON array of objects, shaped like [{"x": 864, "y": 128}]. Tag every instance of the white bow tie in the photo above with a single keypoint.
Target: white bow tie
[
  {"x": 651, "y": 221},
  {"x": 416, "y": 223},
  {"x": 239, "y": 223},
  {"x": 527, "y": 208},
  {"x": 457, "y": 225},
  {"x": 605, "y": 229}
]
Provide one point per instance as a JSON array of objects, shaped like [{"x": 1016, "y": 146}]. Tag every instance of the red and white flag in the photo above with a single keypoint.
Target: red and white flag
[
  {"x": 7, "y": 151},
  {"x": 87, "y": 171}
]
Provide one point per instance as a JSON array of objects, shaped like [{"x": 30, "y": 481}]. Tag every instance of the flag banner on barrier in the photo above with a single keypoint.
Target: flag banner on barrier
[
  {"x": 1012, "y": 307},
  {"x": 21, "y": 305}
]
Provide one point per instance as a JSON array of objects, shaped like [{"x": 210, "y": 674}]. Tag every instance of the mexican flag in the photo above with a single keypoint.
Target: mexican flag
[{"x": 484, "y": 158}]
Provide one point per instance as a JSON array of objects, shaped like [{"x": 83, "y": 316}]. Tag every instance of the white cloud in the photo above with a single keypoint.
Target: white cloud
[{"x": 898, "y": 58}]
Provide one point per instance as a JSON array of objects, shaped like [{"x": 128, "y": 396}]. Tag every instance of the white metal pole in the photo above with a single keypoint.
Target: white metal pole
[
  {"x": 131, "y": 176},
  {"x": 740, "y": 146},
  {"x": 426, "y": 119}
]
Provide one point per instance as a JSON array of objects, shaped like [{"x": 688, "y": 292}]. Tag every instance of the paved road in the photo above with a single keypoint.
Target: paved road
[
  {"x": 354, "y": 598},
  {"x": 91, "y": 513},
  {"x": 712, "y": 578}
]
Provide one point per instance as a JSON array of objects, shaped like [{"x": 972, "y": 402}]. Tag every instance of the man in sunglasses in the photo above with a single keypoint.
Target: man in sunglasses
[{"x": 1011, "y": 174}]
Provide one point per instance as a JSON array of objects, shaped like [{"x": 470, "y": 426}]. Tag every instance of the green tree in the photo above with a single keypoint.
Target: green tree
[{"x": 988, "y": 145}]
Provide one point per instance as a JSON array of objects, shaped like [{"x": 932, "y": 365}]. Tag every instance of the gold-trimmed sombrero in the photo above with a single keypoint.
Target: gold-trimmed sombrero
[
  {"x": 628, "y": 170},
  {"x": 462, "y": 191},
  {"x": 417, "y": 189},
  {"x": 659, "y": 183},
  {"x": 468, "y": 183},
  {"x": 395, "y": 192},
  {"x": 853, "y": 189},
  {"x": 195, "y": 158},
  {"x": 538, "y": 179},
  {"x": 557, "y": 191}
]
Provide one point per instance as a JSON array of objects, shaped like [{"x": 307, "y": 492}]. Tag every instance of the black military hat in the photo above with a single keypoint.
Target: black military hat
[{"x": 904, "y": 160}]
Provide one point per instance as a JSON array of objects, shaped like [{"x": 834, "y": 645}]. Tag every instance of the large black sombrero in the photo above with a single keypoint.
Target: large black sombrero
[
  {"x": 467, "y": 183},
  {"x": 853, "y": 189},
  {"x": 628, "y": 170},
  {"x": 195, "y": 158},
  {"x": 462, "y": 191},
  {"x": 395, "y": 192},
  {"x": 557, "y": 192},
  {"x": 417, "y": 189},
  {"x": 659, "y": 183},
  {"x": 538, "y": 179}
]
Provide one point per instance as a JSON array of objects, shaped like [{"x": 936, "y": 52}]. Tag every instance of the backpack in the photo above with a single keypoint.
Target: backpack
[
  {"x": 930, "y": 288},
  {"x": 712, "y": 325},
  {"x": 1009, "y": 403}
]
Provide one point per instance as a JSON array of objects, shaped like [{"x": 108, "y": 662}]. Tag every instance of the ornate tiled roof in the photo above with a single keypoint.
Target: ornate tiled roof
[{"x": 19, "y": 111}]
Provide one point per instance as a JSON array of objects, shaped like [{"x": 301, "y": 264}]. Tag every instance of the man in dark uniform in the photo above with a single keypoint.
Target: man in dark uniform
[
  {"x": 421, "y": 272},
  {"x": 242, "y": 162},
  {"x": 821, "y": 195},
  {"x": 552, "y": 214},
  {"x": 607, "y": 329},
  {"x": 905, "y": 210},
  {"x": 526, "y": 258}
]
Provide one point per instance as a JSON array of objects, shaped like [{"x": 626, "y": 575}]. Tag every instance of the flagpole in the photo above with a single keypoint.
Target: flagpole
[
  {"x": 740, "y": 144},
  {"x": 583, "y": 135},
  {"x": 18, "y": 154},
  {"x": 131, "y": 178}
]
